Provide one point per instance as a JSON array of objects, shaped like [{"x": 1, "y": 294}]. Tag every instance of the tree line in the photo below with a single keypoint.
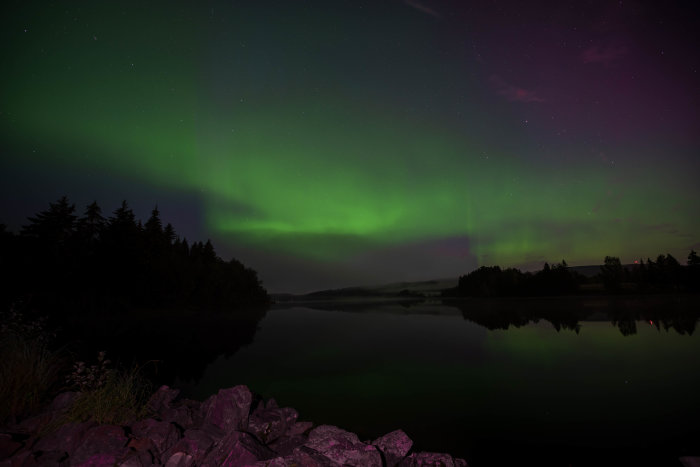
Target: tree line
[
  {"x": 88, "y": 262},
  {"x": 665, "y": 274}
]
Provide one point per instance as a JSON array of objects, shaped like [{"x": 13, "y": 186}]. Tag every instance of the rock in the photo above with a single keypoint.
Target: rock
[
  {"x": 271, "y": 404},
  {"x": 138, "y": 459},
  {"x": 162, "y": 434},
  {"x": 689, "y": 461},
  {"x": 8, "y": 446},
  {"x": 222, "y": 431},
  {"x": 228, "y": 409},
  {"x": 162, "y": 399},
  {"x": 299, "y": 428},
  {"x": 186, "y": 414},
  {"x": 67, "y": 437},
  {"x": 270, "y": 423},
  {"x": 45, "y": 459},
  {"x": 423, "y": 459},
  {"x": 310, "y": 458},
  {"x": 276, "y": 462},
  {"x": 342, "y": 447},
  {"x": 180, "y": 459},
  {"x": 237, "y": 449},
  {"x": 331, "y": 435},
  {"x": 101, "y": 445},
  {"x": 195, "y": 443},
  {"x": 141, "y": 445},
  {"x": 18, "y": 459},
  {"x": 394, "y": 446},
  {"x": 286, "y": 445}
]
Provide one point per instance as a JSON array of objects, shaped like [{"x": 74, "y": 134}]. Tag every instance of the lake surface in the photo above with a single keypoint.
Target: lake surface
[{"x": 550, "y": 381}]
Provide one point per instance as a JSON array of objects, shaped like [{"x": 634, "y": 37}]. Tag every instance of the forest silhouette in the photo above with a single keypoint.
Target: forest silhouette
[
  {"x": 61, "y": 261},
  {"x": 664, "y": 275}
]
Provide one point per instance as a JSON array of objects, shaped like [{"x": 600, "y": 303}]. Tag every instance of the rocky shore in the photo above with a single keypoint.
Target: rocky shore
[{"x": 231, "y": 428}]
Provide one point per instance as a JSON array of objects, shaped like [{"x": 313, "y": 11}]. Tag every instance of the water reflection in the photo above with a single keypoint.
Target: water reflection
[
  {"x": 493, "y": 381},
  {"x": 667, "y": 313},
  {"x": 664, "y": 312}
]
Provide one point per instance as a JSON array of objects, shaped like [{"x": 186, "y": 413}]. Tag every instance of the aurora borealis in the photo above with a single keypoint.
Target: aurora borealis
[{"x": 336, "y": 143}]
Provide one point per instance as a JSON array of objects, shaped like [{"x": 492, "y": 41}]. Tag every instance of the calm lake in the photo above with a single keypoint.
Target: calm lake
[{"x": 550, "y": 381}]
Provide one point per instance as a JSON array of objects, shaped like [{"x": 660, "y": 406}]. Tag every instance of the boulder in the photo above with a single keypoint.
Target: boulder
[
  {"x": 18, "y": 459},
  {"x": 162, "y": 399},
  {"x": 310, "y": 458},
  {"x": 228, "y": 409},
  {"x": 276, "y": 462},
  {"x": 138, "y": 459},
  {"x": 180, "y": 459},
  {"x": 299, "y": 428},
  {"x": 185, "y": 414},
  {"x": 101, "y": 445},
  {"x": 237, "y": 449},
  {"x": 8, "y": 446},
  {"x": 286, "y": 445},
  {"x": 329, "y": 435},
  {"x": 222, "y": 431},
  {"x": 195, "y": 443},
  {"x": 342, "y": 447},
  {"x": 45, "y": 459},
  {"x": 422, "y": 459},
  {"x": 395, "y": 446},
  {"x": 271, "y": 403},
  {"x": 269, "y": 424},
  {"x": 162, "y": 434},
  {"x": 67, "y": 437}
]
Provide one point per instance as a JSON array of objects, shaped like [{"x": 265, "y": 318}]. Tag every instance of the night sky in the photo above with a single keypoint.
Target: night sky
[{"x": 332, "y": 143}]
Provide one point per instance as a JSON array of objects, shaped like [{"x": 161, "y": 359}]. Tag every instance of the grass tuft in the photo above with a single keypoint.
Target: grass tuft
[
  {"x": 120, "y": 400},
  {"x": 29, "y": 374}
]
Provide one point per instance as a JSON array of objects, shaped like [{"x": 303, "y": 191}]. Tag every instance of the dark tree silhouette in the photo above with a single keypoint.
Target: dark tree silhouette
[
  {"x": 496, "y": 282},
  {"x": 612, "y": 273},
  {"x": 53, "y": 226},
  {"x": 693, "y": 258},
  {"x": 92, "y": 264}
]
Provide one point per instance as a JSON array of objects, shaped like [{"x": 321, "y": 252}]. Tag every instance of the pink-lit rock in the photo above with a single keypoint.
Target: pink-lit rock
[
  {"x": 286, "y": 444},
  {"x": 67, "y": 437},
  {"x": 219, "y": 432},
  {"x": 269, "y": 424},
  {"x": 394, "y": 445},
  {"x": 163, "y": 435},
  {"x": 228, "y": 409},
  {"x": 180, "y": 459},
  {"x": 237, "y": 449},
  {"x": 101, "y": 445},
  {"x": 342, "y": 447},
  {"x": 162, "y": 398},
  {"x": 8, "y": 446},
  {"x": 422, "y": 459},
  {"x": 196, "y": 443}
]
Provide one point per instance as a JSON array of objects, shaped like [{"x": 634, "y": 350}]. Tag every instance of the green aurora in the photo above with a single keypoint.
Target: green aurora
[{"x": 290, "y": 149}]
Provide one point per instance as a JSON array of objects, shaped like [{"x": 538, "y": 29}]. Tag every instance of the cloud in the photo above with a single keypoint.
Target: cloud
[
  {"x": 605, "y": 55},
  {"x": 514, "y": 93},
  {"x": 422, "y": 8}
]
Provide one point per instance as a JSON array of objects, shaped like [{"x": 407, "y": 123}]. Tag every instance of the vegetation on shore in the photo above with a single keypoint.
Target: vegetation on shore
[
  {"x": 665, "y": 274},
  {"x": 92, "y": 280},
  {"x": 64, "y": 262},
  {"x": 33, "y": 371}
]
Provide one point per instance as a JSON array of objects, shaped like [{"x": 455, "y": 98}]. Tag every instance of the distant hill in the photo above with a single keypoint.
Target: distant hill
[
  {"x": 429, "y": 288},
  {"x": 392, "y": 290}
]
